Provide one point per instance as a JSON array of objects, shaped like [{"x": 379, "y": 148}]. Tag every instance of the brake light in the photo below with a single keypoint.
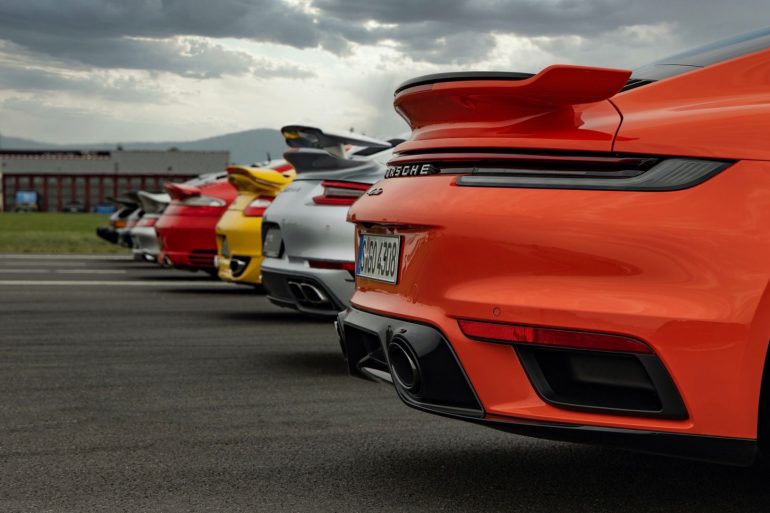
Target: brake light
[
  {"x": 518, "y": 334},
  {"x": 257, "y": 207},
  {"x": 340, "y": 193}
]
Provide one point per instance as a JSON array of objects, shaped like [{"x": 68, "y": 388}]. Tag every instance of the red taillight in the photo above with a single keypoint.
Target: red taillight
[
  {"x": 147, "y": 222},
  {"x": 512, "y": 333},
  {"x": 340, "y": 193},
  {"x": 257, "y": 207},
  {"x": 333, "y": 264}
]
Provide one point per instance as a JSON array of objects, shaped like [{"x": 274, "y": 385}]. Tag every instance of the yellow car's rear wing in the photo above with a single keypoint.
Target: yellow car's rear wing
[{"x": 259, "y": 180}]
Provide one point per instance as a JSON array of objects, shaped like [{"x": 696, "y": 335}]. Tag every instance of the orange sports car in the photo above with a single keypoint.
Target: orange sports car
[{"x": 582, "y": 254}]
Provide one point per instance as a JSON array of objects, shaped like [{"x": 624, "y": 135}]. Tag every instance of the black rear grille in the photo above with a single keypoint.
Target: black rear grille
[{"x": 603, "y": 381}]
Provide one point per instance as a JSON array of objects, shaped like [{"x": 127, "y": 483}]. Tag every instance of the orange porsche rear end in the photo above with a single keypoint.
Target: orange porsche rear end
[{"x": 579, "y": 255}]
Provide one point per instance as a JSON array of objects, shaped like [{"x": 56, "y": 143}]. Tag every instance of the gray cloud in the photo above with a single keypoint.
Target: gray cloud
[
  {"x": 121, "y": 88},
  {"x": 104, "y": 33}
]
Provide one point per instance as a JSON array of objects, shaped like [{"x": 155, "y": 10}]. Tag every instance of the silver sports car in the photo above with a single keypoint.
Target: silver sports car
[
  {"x": 143, "y": 236},
  {"x": 307, "y": 243}
]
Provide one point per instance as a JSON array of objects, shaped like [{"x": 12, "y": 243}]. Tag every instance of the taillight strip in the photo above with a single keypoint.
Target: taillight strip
[
  {"x": 545, "y": 160},
  {"x": 340, "y": 193}
]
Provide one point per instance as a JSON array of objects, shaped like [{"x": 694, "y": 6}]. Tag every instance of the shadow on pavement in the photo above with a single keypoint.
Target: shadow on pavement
[
  {"x": 326, "y": 363},
  {"x": 547, "y": 476},
  {"x": 279, "y": 315}
]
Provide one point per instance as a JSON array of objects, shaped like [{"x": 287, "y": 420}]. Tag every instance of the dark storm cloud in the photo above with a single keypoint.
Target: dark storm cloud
[{"x": 142, "y": 34}]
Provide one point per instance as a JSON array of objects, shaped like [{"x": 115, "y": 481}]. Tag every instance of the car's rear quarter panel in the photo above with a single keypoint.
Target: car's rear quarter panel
[{"x": 311, "y": 231}]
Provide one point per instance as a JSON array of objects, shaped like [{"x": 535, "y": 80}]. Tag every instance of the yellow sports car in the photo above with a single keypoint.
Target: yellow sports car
[{"x": 239, "y": 231}]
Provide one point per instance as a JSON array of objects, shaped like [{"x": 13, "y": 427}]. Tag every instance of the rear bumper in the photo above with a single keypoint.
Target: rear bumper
[
  {"x": 107, "y": 233},
  {"x": 145, "y": 242},
  {"x": 445, "y": 390},
  {"x": 244, "y": 248},
  {"x": 284, "y": 282},
  {"x": 188, "y": 241}
]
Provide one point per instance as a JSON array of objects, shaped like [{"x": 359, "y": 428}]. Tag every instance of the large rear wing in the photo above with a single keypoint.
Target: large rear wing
[
  {"x": 153, "y": 203},
  {"x": 304, "y": 136},
  {"x": 254, "y": 179},
  {"x": 129, "y": 199},
  {"x": 562, "y": 103}
]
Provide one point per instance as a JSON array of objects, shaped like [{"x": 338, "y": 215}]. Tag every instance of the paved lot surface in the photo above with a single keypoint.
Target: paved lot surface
[{"x": 124, "y": 387}]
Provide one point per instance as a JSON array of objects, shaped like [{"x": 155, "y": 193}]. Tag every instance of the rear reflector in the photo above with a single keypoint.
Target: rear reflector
[
  {"x": 257, "y": 207},
  {"x": 340, "y": 193},
  {"x": 333, "y": 264},
  {"x": 517, "y": 334}
]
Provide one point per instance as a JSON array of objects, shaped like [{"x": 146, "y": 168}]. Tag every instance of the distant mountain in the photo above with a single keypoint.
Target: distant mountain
[{"x": 245, "y": 147}]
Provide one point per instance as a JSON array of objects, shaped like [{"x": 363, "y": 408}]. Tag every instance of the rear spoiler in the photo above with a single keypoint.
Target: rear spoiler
[
  {"x": 153, "y": 203},
  {"x": 253, "y": 179},
  {"x": 180, "y": 191},
  {"x": 315, "y": 164},
  {"x": 128, "y": 199},
  {"x": 464, "y": 97},
  {"x": 311, "y": 160},
  {"x": 303, "y": 136}
]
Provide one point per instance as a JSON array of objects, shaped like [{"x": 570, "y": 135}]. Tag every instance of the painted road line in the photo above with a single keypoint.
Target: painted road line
[
  {"x": 24, "y": 271},
  {"x": 47, "y": 263},
  {"x": 62, "y": 271},
  {"x": 90, "y": 271},
  {"x": 113, "y": 283},
  {"x": 23, "y": 256}
]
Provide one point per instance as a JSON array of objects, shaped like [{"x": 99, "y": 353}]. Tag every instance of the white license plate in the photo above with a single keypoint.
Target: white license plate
[{"x": 379, "y": 257}]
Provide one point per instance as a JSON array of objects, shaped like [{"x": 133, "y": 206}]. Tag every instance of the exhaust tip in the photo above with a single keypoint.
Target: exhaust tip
[
  {"x": 313, "y": 294},
  {"x": 237, "y": 266},
  {"x": 403, "y": 364},
  {"x": 167, "y": 262}
]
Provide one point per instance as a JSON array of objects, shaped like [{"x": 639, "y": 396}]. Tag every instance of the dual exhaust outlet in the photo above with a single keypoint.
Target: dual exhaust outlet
[{"x": 307, "y": 293}]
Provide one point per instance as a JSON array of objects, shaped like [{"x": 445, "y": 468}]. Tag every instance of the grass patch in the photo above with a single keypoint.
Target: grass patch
[{"x": 53, "y": 232}]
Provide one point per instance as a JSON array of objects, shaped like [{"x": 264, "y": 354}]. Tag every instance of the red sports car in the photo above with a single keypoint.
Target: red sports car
[
  {"x": 581, "y": 254},
  {"x": 187, "y": 228}
]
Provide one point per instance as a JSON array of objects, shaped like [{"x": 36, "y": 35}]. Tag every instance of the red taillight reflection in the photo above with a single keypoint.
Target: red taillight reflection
[
  {"x": 512, "y": 333},
  {"x": 340, "y": 193},
  {"x": 257, "y": 207},
  {"x": 334, "y": 264}
]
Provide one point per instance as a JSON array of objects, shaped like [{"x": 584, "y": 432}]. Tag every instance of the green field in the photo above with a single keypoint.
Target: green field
[{"x": 53, "y": 233}]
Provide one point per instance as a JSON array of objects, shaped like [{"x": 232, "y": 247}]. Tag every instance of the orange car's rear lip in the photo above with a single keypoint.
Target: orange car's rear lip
[{"x": 382, "y": 330}]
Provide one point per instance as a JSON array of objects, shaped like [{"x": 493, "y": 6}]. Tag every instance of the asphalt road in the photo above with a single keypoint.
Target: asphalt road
[{"x": 124, "y": 387}]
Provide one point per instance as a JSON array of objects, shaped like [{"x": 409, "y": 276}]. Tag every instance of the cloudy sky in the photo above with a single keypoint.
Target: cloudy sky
[{"x": 126, "y": 70}]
